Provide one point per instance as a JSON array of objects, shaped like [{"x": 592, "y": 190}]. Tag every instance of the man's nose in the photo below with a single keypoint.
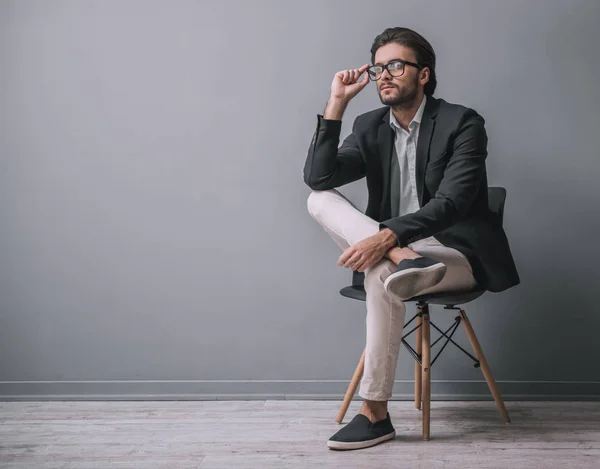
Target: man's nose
[{"x": 385, "y": 70}]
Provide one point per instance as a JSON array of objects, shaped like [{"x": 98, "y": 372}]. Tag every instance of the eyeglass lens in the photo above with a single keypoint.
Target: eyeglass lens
[{"x": 395, "y": 69}]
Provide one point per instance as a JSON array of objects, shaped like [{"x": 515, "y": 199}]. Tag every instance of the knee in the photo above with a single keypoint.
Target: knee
[{"x": 315, "y": 203}]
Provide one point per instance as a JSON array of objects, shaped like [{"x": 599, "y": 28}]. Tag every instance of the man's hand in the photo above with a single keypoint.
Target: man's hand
[
  {"x": 345, "y": 84},
  {"x": 344, "y": 87},
  {"x": 369, "y": 251}
]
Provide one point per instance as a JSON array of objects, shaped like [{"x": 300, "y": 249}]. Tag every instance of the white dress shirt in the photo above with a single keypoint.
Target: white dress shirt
[{"x": 405, "y": 148}]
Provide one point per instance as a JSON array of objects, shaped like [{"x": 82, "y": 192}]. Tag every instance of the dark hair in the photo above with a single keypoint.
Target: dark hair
[{"x": 418, "y": 44}]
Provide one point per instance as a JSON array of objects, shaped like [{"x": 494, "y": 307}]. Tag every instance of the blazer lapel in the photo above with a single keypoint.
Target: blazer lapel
[
  {"x": 425, "y": 133},
  {"x": 385, "y": 142}
]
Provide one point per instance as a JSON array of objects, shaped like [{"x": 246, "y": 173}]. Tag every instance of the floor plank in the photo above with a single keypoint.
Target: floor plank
[{"x": 277, "y": 434}]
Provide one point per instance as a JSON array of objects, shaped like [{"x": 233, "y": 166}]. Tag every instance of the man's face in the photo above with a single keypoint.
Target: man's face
[{"x": 397, "y": 91}]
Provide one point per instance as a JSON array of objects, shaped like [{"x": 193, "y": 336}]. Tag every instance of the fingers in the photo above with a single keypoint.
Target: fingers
[
  {"x": 351, "y": 263},
  {"x": 345, "y": 256},
  {"x": 364, "y": 265},
  {"x": 365, "y": 78},
  {"x": 350, "y": 76},
  {"x": 349, "y": 257},
  {"x": 354, "y": 261}
]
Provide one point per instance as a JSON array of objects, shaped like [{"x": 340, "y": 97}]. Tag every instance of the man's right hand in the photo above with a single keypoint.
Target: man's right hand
[{"x": 345, "y": 86}]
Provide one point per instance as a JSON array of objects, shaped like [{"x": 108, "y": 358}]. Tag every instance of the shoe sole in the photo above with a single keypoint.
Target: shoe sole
[
  {"x": 409, "y": 282},
  {"x": 343, "y": 445}
]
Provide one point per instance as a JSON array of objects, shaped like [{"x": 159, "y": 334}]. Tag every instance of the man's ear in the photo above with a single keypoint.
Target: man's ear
[{"x": 424, "y": 76}]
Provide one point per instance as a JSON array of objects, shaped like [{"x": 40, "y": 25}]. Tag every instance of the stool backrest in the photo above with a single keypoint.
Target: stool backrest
[{"x": 496, "y": 201}]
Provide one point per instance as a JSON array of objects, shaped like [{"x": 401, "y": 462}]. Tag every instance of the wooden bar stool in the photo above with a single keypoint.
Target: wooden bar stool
[{"x": 422, "y": 328}]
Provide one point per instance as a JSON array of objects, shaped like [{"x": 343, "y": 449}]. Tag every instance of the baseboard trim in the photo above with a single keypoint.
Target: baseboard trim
[
  {"x": 291, "y": 397},
  {"x": 284, "y": 389}
]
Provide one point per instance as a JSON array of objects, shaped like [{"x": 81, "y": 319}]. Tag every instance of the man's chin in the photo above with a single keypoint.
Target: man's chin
[
  {"x": 396, "y": 100},
  {"x": 386, "y": 99},
  {"x": 391, "y": 101},
  {"x": 390, "y": 98}
]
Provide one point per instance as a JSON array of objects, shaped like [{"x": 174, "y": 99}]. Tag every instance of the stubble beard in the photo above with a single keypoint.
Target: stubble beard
[{"x": 400, "y": 97}]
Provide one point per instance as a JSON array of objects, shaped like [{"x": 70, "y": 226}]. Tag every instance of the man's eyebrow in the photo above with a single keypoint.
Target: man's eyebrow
[{"x": 393, "y": 60}]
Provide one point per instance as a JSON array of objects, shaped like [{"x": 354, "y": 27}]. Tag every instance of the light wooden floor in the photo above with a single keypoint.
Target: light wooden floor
[{"x": 281, "y": 434}]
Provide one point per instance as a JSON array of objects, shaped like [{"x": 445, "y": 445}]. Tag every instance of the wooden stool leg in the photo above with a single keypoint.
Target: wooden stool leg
[
  {"x": 351, "y": 388},
  {"x": 487, "y": 373},
  {"x": 419, "y": 348},
  {"x": 425, "y": 371}
]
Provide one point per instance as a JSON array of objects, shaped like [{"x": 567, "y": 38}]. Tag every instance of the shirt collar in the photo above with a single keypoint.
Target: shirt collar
[{"x": 416, "y": 119}]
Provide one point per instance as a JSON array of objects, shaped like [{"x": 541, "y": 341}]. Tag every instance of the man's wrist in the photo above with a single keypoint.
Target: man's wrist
[
  {"x": 334, "y": 110},
  {"x": 389, "y": 238}
]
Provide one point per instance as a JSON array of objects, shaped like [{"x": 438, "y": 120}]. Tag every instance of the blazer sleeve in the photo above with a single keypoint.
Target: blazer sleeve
[
  {"x": 457, "y": 190},
  {"x": 328, "y": 167}
]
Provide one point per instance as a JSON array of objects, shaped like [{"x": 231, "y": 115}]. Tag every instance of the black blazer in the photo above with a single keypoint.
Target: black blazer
[{"x": 451, "y": 182}]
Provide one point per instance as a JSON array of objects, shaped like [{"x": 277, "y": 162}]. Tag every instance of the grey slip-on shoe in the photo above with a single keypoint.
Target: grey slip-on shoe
[
  {"x": 362, "y": 433},
  {"x": 413, "y": 276}
]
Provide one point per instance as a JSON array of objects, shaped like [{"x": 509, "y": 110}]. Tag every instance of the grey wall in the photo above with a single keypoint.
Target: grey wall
[{"x": 155, "y": 239}]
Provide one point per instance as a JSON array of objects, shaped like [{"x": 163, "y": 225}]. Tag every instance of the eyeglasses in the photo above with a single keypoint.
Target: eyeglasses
[{"x": 395, "y": 68}]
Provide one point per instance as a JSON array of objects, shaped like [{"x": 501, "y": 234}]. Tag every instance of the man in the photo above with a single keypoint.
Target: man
[{"x": 427, "y": 226}]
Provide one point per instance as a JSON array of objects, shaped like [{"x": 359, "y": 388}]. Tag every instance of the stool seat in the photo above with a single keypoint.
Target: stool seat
[{"x": 357, "y": 292}]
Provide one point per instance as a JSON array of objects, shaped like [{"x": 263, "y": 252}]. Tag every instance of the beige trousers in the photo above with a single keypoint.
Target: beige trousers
[{"x": 385, "y": 312}]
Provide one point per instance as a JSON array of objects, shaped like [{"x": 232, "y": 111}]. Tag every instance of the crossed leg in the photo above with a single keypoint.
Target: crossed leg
[{"x": 385, "y": 312}]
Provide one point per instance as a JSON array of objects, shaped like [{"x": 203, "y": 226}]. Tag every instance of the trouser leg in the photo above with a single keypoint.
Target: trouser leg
[{"x": 385, "y": 312}]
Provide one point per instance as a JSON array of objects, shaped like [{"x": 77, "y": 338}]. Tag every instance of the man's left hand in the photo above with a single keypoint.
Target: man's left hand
[{"x": 367, "y": 252}]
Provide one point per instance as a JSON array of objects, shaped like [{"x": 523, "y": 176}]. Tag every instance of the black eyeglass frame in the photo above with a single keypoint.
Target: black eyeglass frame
[{"x": 385, "y": 67}]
